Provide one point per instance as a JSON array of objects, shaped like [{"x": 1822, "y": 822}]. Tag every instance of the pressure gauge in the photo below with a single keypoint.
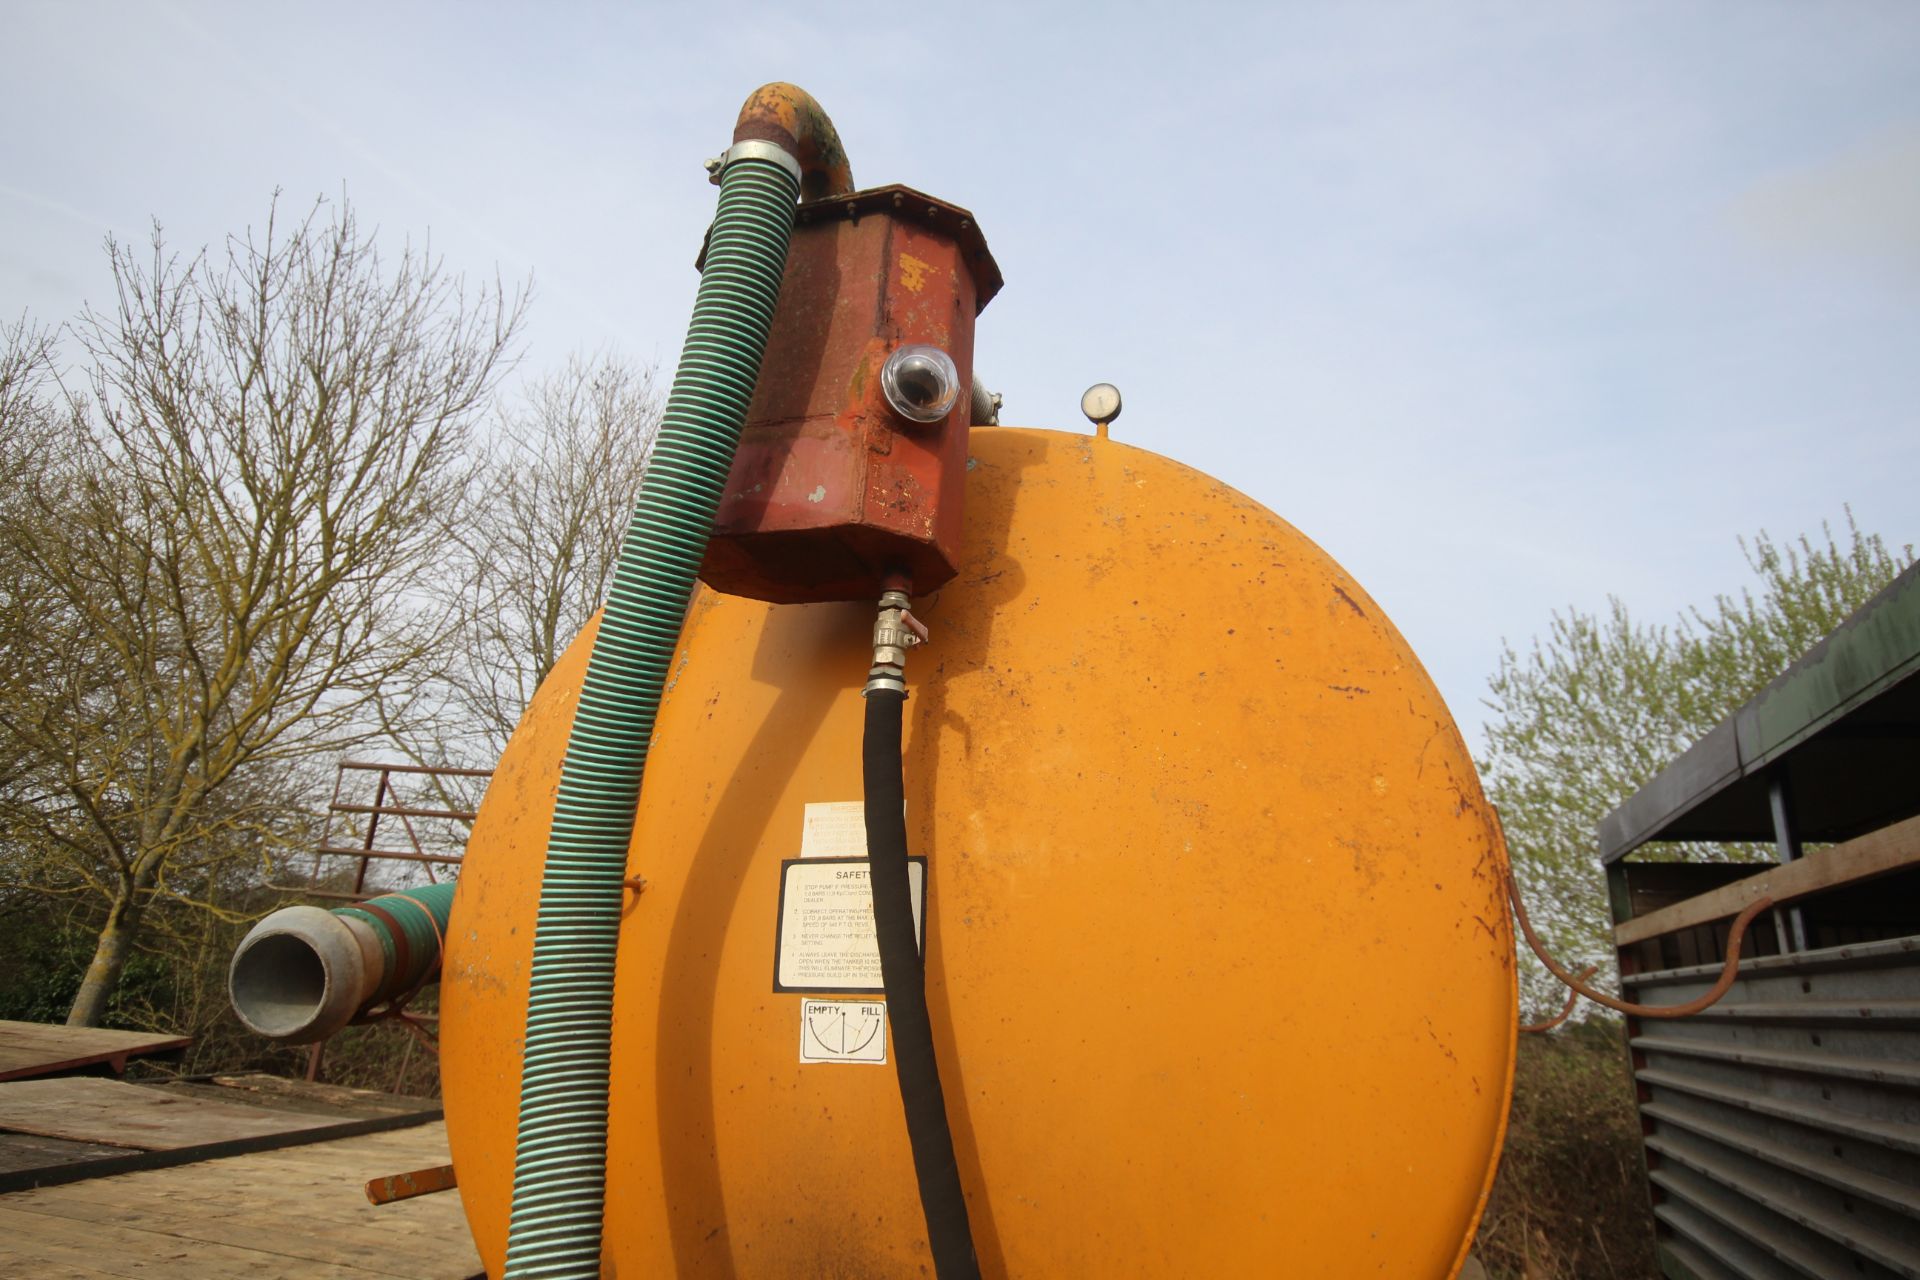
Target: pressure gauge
[{"x": 1101, "y": 403}]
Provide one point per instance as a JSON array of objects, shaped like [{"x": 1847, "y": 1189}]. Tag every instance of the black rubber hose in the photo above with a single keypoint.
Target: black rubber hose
[{"x": 901, "y": 972}]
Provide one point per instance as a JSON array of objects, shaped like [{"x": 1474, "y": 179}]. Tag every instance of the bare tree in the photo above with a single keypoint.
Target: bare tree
[
  {"x": 220, "y": 573},
  {"x": 29, "y": 444},
  {"x": 539, "y": 544}
]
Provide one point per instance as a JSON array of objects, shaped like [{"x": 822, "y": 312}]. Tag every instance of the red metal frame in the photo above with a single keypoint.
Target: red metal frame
[
  {"x": 386, "y": 804},
  {"x": 365, "y": 849}
]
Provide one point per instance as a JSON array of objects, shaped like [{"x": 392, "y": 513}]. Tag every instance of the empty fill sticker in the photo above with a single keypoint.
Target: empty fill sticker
[{"x": 843, "y": 1031}]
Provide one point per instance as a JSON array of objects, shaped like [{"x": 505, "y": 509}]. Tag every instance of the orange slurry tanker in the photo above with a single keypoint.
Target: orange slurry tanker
[{"x": 961, "y": 849}]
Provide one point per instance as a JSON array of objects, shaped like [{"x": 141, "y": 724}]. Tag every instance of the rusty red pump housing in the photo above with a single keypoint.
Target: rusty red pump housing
[{"x": 833, "y": 494}]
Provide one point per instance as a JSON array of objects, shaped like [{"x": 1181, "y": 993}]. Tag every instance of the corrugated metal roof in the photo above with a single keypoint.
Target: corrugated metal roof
[{"x": 1848, "y": 713}]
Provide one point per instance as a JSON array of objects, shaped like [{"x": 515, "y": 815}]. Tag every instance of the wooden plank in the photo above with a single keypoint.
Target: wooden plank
[
  {"x": 140, "y": 1161},
  {"x": 37, "y": 1048},
  {"x": 342, "y": 1162},
  {"x": 82, "y": 1109},
  {"x": 273, "y": 1090},
  {"x": 31, "y": 1151},
  {"x": 289, "y": 1213},
  {"x": 125, "y": 1251},
  {"x": 405, "y": 1186},
  {"x": 365, "y": 1246},
  {"x": 44, "y": 1269},
  {"x": 1891, "y": 848},
  {"x": 257, "y": 1196}
]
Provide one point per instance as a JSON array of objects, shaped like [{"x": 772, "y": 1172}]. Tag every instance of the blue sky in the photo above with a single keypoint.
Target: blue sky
[{"x": 1508, "y": 306}]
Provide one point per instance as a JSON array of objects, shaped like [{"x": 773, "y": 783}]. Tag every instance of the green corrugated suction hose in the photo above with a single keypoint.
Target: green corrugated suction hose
[
  {"x": 302, "y": 973},
  {"x": 559, "y": 1177},
  {"x": 422, "y": 917}
]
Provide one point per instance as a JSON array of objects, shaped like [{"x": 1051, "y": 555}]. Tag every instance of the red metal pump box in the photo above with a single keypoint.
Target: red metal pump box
[{"x": 832, "y": 491}]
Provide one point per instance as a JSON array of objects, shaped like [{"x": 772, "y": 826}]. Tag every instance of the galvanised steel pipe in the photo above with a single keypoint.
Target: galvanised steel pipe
[{"x": 559, "y": 1181}]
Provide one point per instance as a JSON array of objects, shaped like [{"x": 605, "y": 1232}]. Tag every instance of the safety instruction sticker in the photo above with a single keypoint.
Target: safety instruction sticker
[
  {"x": 843, "y": 1031},
  {"x": 826, "y": 941}
]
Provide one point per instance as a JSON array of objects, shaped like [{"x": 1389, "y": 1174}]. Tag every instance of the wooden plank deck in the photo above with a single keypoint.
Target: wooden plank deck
[
  {"x": 71, "y": 1128},
  {"x": 297, "y": 1212},
  {"x": 82, "y": 1109},
  {"x": 27, "y": 1151},
  {"x": 41, "y": 1049}
]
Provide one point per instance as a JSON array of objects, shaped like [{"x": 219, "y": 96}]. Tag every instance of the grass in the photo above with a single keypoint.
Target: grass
[{"x": 1570, "y": 1202}]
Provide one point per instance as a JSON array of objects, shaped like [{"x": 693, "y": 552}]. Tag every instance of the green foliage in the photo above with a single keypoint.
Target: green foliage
[
  {"x": 1602, "y": 703},
  {"x": 41, "y": 961},
  {"x": 43, "y": 958}
]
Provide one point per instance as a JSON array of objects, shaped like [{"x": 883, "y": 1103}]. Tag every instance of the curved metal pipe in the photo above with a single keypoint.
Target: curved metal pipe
[
  {"x": 1729, "y": 971},
  {"x": 787, "y": 116}
]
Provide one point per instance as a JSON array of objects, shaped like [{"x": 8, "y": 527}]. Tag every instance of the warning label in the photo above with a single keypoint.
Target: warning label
[
  {"x": 826, "y": 941},
  {"x": 838, "y": 1031},
  {"x": 835, "y": 829}
]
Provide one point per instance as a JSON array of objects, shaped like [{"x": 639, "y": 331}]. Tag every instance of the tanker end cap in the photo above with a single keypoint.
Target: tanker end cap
[
  {"x": 788, "y": 117},
  {"x": 302, "y": 974}
]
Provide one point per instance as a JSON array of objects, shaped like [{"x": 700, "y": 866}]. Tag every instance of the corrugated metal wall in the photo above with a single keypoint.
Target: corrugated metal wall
[{"x": 1783, "y": 1124}]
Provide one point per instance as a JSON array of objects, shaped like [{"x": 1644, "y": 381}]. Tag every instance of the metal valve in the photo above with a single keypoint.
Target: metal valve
[{"x": 895, "y": 631}]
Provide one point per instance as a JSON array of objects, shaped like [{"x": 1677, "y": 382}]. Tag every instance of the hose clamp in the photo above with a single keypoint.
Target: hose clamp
[{"x": 752, "y": 149}]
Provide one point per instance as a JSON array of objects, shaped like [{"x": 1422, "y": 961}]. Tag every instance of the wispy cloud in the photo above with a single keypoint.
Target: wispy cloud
[
  {"x": 1860, "y": 205},
  {"x": 34, "y": 198}
]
